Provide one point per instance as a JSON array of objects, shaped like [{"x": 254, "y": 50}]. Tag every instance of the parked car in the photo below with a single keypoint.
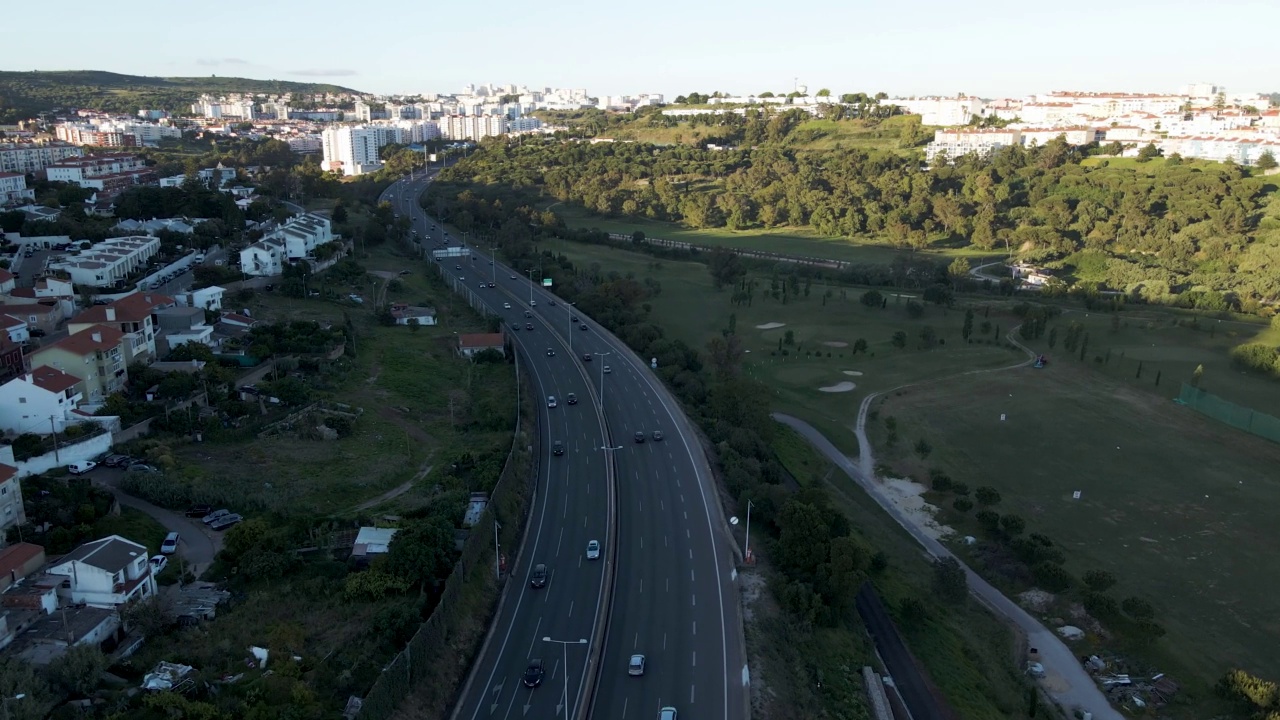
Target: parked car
[
  {"x": 81, "y": 467},
  {"x": 539, "y": 577},
  {"x": 117, "y": 461},
  {"x": 158, "y": 564},
  {"x": 215, "y": 515},
  {"x": 142, "y": 467},
  {"x": 170, "y": 544},
  {"x": 225, "y": 522},
  {"x": 35, "y": 332},
  {"x": 199, "y": 510}
]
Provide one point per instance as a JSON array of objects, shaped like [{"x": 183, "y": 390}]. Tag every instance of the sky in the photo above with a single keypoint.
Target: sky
[{"x": 989, "y": 48}]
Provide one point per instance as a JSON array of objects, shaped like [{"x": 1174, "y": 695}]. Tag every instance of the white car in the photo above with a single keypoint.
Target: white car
[
  {"x": 551, "y": 401},
  {"x": 593, "y": 550},
  {"x": 608, "y": 370},
  {"x": 158, "y": 564},
  {"x": 506, "y": 306}
]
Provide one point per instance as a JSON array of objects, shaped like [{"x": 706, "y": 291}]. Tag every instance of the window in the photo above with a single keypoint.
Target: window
[{"x": 22, "y": 401}]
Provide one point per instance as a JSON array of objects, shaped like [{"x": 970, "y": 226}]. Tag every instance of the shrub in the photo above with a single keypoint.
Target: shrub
[
  {"x": 1053, "y": 578},
  {"x": 987, "y": 495},
  {"x": 1099, "y": 580},
  {"x": 962, "y": 505},
  {"x": 1137, "y": 608},
  {"x": 961, "y": 489},
  {"x": 1101, "y": 606}
]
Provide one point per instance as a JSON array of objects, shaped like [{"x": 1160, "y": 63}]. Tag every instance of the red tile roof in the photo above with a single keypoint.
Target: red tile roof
[
  {"x": 5, "y": 275},
  {"x": 9, "y": 321},
  {"x": 16, "y": 555},
  {"x": 52, "y": 379},
  {"x": 130, "y": 308},
  {"x": 7, "y": 472},
  {"x": 83, "y": 342},
  {"x": 480, "y": 340},
  {"x": 26, "y": 308}
]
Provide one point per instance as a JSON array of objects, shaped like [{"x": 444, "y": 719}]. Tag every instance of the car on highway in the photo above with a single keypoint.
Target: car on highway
[
  {"x": 483, "y": 285},
  {"x": 635, "y": 667},
  {"x": 533, "y": 303},
  {"x": 170, "y": 544},
  {"x": 552, "y": 302},
  {"x": 81, "y": 467},
  {"x": 608, "y": 370},
  {"x": 528, "y": 313},
  {"x": 586, "y": 357},
  {"x": 593, "y": 550},
  {"x": 573, "y": 318},
  {"x": 528, "y": 326},
  {"x": 551, "y": 401},
  {"x": 516, "y": 327},
  {"x": 457, "y": 267},
  {"x": 158, "y": 564},
  {"x": 571, "y": 399},
  {"x": 657, "y": 435},
  {"x": 639, "y": 437},
  {"x": 506, "y": 306},
  {"x": 667, "y": 713},
  {"x": 551, "y": 353},
  {"x": 583, "y": 326},
  {"x": 539, "y": 577},
  {"x": 513, "y": 277},
  {"x": 557, "y": 448},
  {"x": 534, "y": 673},
  {"x": 493, "y": 285}
]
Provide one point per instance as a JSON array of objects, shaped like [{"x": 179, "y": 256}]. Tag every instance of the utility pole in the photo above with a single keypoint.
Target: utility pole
[{"x": 54, "y": 428}]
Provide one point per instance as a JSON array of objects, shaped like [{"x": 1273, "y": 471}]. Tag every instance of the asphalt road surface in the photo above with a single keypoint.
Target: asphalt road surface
[{"x": 675, "y": 599}]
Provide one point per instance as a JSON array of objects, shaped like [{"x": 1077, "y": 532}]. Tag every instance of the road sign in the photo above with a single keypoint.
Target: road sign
[{"x": 546, "y": 282}]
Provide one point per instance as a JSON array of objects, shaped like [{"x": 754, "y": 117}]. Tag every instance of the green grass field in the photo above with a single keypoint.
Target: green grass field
[
  {"x": 788, "y": 241},
  {"x": 403, "y": 379}
]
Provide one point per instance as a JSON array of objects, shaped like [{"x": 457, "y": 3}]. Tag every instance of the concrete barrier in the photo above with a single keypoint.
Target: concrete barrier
[{"x": 66, "y": 454}]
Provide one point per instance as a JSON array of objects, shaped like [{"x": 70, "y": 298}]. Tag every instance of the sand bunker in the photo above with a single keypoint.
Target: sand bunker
[
  {"x": 845, "y": 386},
  {"x": 852, "y": 373},
  {"x": 836, "y": 343},
  {"x": 770, "y": 326}
]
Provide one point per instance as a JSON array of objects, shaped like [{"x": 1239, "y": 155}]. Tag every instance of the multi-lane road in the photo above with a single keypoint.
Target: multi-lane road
[{"x": 652, "y": 505}]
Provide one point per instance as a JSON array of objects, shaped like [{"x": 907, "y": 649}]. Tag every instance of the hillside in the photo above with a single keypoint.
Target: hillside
[{"x": 25, "y": 94}]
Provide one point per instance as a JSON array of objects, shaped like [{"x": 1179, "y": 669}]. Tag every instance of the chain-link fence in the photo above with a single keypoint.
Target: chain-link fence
[
  {"x": 508, "y": 508},
  {"x": 1237, "y": 416}
]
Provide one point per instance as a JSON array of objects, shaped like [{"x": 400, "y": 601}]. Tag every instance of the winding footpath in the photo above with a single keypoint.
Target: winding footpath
[{"x": 1065, "y": 680}]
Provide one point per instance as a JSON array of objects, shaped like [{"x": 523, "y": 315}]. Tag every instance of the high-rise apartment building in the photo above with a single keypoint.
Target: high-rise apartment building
[{"x": 351, "y": 150}]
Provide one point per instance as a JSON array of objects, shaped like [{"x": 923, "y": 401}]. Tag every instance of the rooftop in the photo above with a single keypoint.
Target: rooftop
[
  {"x": 112, "y": 553},
  {"x": 16, "y": 555},
  {"x": 96, "y": 338},
  {"x": 53, "y": 379}
]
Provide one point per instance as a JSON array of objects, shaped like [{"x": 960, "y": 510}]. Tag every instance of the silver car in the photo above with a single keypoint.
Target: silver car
[{"x": 635, "y": 668}]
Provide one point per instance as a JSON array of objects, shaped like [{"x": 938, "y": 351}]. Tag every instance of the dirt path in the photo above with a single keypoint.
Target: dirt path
[
  {"x": 1065, "y": 679},
  {"x": 394, "y": 492}
]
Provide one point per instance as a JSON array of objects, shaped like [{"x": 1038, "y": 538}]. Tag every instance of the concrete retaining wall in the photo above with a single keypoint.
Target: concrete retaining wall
[{"x": 83, "y": 450}]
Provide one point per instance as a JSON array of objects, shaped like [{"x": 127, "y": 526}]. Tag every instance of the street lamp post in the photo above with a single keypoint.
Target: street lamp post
[
  {"x": 531, "y": 286},
  {"x": 571, "y": 305},
  {"x": 748, "y": 543},
  {"x": 600, "y": 355},
  {"x": 493, "y": 264},
  {"x": 564, "y": 644}
]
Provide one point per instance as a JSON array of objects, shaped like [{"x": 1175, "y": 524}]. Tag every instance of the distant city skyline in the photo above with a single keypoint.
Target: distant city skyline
[{"x": 989, "y": 48}]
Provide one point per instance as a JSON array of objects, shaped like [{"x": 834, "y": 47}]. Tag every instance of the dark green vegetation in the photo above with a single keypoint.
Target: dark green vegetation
[
  {"x": 1197, "y": 234},
  {"x": 27, "y": 94}
]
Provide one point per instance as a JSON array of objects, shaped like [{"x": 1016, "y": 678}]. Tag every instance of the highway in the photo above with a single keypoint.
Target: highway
[{"x": 675, "y": 599}]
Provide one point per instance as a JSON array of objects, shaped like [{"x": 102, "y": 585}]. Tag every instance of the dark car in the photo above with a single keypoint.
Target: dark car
[
  {"x": 571, "y": 399},
  {"x": 528, "y": 326},
  {"x": 36, "y": 332},
  {"x": 551, "y": 353},
  {"x": 200, "y": 510},
  {"x": 657, "y": 435},
  {"x": 557, "y": 448},
  {"x": 583, "y": 326},
  {"x": 493, "y": 285},
  {"x": 143, "y": 467},
  {"x": 528, "y": 313},
  {"x": 639, "y": 437},
  {"x": 534, "y": 673},
  {"x": 586, "y": 357},
  {"x": 118, "y": 461},
  {"x": 539, "y": 577},
  {"x": 573, "y": 318}
]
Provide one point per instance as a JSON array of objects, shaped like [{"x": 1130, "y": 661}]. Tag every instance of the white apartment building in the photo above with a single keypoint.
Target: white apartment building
[
  {"x": 114, "y": 134},
  {"x": 221, "y": 108},
  {"x": 945, "y": 111},
  {"x": 472, "y": 127},
  {"x": 41, "y": 402},
  {"x": 295, "y": 240},
  {"x": 106, "y": 573},
  {"x": 524, "y": 124},
  {"x": 305, "y": 144},
  {"x": 108, "y": 262},
  {"x": 1072, "y": 135},
  {"x": 1244, "y": 151},
  {"x": 956, "y": 142},
  {"x": 14, "y": 190},
  {"x": 34, "y": 157},
  {"x": 363, "y": 112},
  {"x": 109, "y": 174},
  {"x": 351, "y": 150}
]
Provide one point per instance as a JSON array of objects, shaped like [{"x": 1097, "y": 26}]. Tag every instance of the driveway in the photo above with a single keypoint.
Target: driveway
[{"x": 199, "y": 544}]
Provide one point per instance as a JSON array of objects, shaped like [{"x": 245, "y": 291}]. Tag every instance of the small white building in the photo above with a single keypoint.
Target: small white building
[
  {"x": 15, "y": 328},
  {"x": 209, "y": 298},
  {"x": 105, "y": 573},
  {"x": 41, "y": 402},
  {"x": 982, "y": 142},
  {"x": 8, "y": 281},
  {"x": 14, "y": 190},
  {"x": 410, "y": 315},
  {"x": 373, "y": 541},
  {"x": 296, "y": 240}
]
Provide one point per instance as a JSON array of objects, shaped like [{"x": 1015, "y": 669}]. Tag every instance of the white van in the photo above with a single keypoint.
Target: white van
[{"x": 81, "y": 467}]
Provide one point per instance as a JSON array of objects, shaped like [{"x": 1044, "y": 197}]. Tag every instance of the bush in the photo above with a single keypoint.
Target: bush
[
  {"x": 1051, "y": 577},
  {"x": 872, "y": 299},
  {"x": 989, "y": 519},
  {"x": 963, "y": 505},
  {"x": 1099, "y": 580},
  {"x": 1137, "y": 608},
  {"x": 961, "y": 489},
  {"x": 941, "y": 482},
  {"x": 987, "y": 495},
  {"x": 1257, "y": 357},
  {"x": 1101, "y": 606},
  {"x": 914, "y": 309}
]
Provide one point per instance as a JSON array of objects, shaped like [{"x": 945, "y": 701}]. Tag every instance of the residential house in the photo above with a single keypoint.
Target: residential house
[
  {"x": 11, "y": 508},
  {"x": 18, "y": 561},
  {"x": 406, "y": 314},
  {"x": 8, "y": 281},
  {"x": 94, "y": 355},
  {"x": 372, "y": 541},
  {"x": 295, "y": 240},
  {"x": 49, "y": 291},
  {"x": 472, "y": 343},
  {"x": 46, "y": 637},
  {"x": 237, "y": 320},
  {"x": 133, "y": 315},
  {"x": 105, "y": 573},
  {"x": 264, "y": 258},
  {"x": 14, "y": 328},
  {"x": 209, "y": 298},
  {"x": 43, "y": 316},
  {"x": 110, "y": 262},
  {"x": 41, "y": 401},
  {"x": 181, "y": 325},
  {"x": 12, "y": 363},
  {"x": 14, "y": 190}
]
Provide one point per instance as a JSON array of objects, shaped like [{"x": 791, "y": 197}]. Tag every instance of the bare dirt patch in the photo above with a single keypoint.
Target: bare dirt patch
[{"x": 908, "y": 497}]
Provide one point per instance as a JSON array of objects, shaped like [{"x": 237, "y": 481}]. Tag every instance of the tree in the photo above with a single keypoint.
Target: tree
[
  {"x": 1266, "y": 161},
  {"x": 928, "y": 337},
  {"x": 987, "y": 495},
  {"x": 1099, "y": 580},
  {"x": 1012, "y": 525},
  {"x": 958, "y": 270},
  {"x": 824, "y": 92},
  {"x": 914, "y": 309},
  {"x": 872, "y": 299},
  {"x": 789, "y": 338},
  {"x": 725, "y": 267},
  {"x": 725, "y": 353},
  {"x": 423, "y": 552},
  {"x": 1137, "y": 608},
  {"x": 77, "y": 671},
  {"x": 339, "y": 214},
  {"x": 1148, "y": 153},
  {"x": 859, "y": 346},
  {"x": 19, "y": 677},
  {"x": 899, "y": 339},
  {"x": 949, "y": 580}
]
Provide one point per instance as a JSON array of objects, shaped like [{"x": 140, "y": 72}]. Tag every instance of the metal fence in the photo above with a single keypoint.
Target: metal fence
[
  {"x": 1237, "y": 416},
  {"x": 508, "y": 507}
]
